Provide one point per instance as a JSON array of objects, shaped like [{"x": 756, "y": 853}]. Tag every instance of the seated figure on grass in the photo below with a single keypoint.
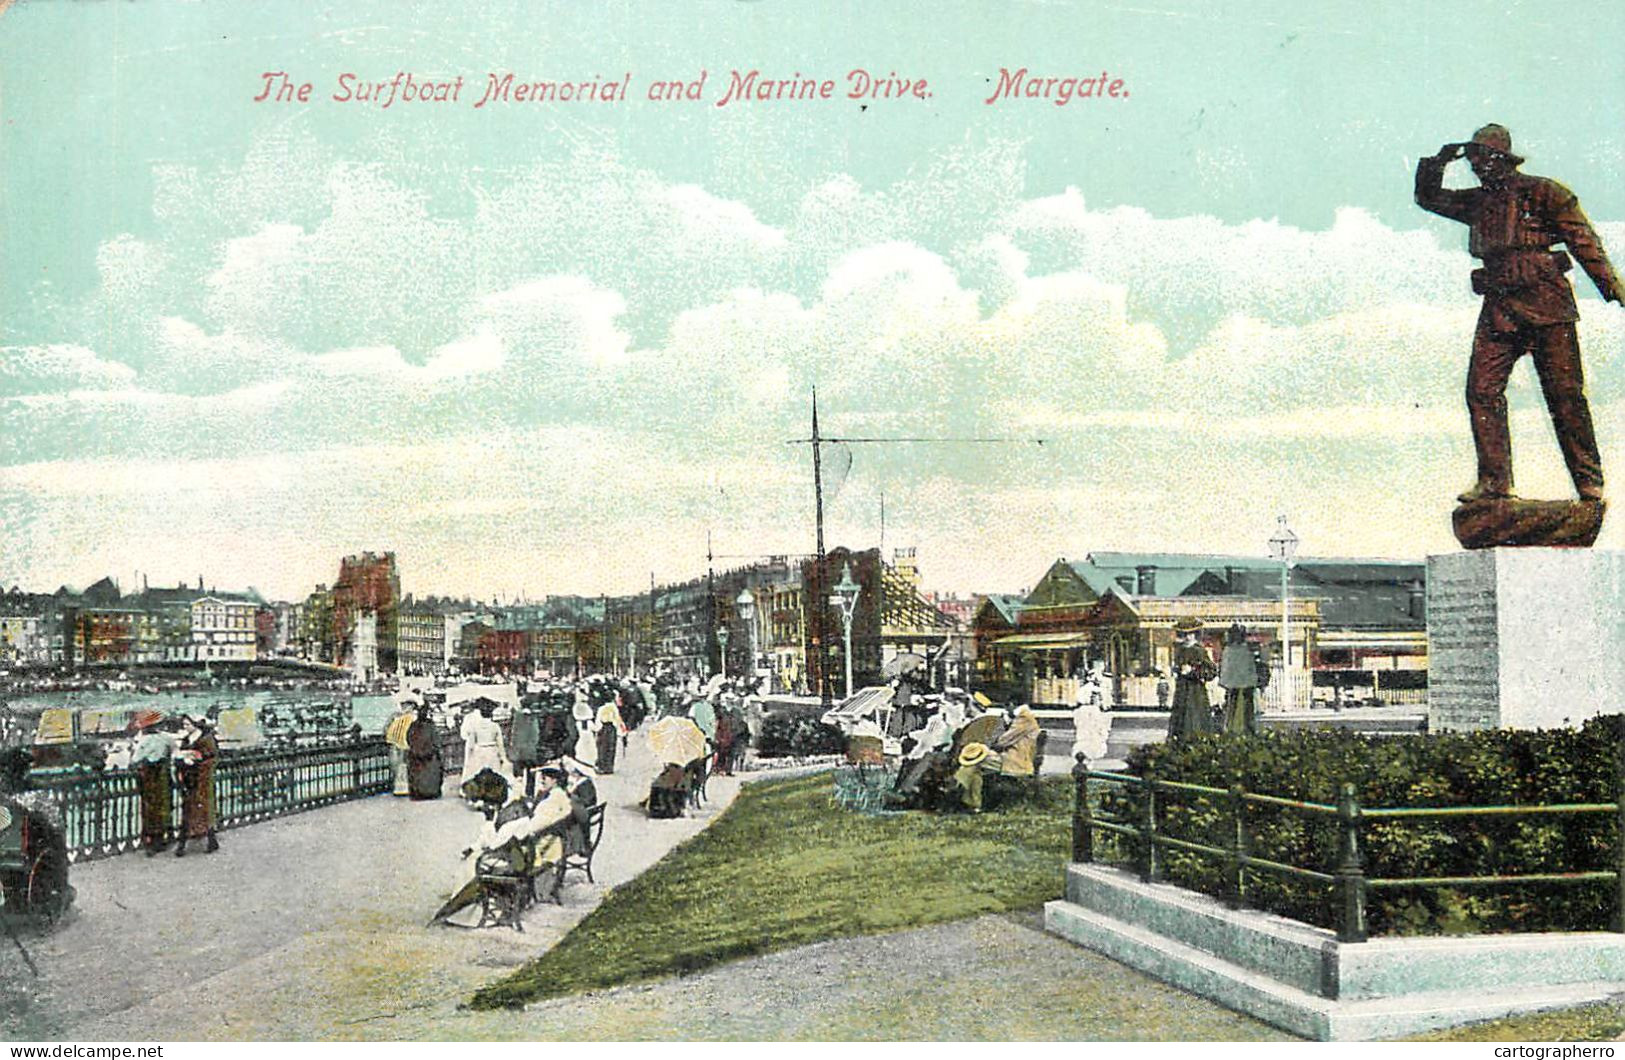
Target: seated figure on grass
[{"x": 976, "y": 760}]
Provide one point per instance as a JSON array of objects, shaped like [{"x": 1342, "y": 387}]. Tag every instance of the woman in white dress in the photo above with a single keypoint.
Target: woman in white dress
[
  {"x": 482, "y": 743},
  {"x": 1090, "y": 721}
]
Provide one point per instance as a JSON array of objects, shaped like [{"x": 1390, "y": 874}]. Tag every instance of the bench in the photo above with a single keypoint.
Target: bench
[
  {"x": 581, "y": 860},
  {"x": 505, "y": 892},
  {"x": 862, "y": 787}
]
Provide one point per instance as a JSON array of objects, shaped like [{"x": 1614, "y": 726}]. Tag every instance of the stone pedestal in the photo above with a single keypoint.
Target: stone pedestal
[{"x": 1525, "y": 638}]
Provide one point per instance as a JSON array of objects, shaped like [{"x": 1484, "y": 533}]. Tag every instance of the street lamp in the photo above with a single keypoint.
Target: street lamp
[
  {"x": 1284, "y": 550},
  {"x": 722, "y": 640},
  {"x": 746, "y": 605},
  {"x": 846, "y": 598}
]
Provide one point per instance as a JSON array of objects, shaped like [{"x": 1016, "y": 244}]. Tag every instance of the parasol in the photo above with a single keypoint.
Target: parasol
[
  {"x": 711, "y": 686},
  {"x": 144, "y": 719},
  {"x": 903, "y": 664},
  {"x": 395, "y": 733},
  {"x": 677, "y": 741},
  {"x": 982, "y": 730}
]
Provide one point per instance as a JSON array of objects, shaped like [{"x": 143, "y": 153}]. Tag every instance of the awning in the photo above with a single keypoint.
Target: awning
[{"x": 1043, "y": 641}]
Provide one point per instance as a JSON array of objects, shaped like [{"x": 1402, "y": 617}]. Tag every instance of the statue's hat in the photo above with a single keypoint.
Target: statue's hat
[{"x": 1493, "y": 137}]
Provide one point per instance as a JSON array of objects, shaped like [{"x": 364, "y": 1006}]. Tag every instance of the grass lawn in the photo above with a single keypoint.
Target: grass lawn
[
  {"x": 782, "y": 867},
  {"x": 1584, "y": 1023}
]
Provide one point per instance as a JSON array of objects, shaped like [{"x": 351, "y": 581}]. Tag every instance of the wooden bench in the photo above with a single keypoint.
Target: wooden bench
[
  {"x": 505, "y": 893},
  {"x": 581, "y": 860}
]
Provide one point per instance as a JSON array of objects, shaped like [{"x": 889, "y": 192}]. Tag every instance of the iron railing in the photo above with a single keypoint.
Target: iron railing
[
  {"x": 1148, "y": 839},
  {"x": 100, "y": 813}
]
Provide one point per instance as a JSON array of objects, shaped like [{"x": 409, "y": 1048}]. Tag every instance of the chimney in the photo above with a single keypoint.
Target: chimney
[
  {"x": 1145, "y": 581},
  {"x": 1232, "y": 581}
]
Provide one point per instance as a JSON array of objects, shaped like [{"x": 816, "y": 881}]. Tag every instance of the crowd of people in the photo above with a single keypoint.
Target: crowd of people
[
  {"x": 532, "y": 768},
  {"x": 963, "y": 750}
]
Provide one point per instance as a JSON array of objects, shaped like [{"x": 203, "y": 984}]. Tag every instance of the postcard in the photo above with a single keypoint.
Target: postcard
[{"x": 546, "y": 506}]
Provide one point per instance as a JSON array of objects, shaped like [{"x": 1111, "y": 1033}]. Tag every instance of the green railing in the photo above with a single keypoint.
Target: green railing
[
  {"x": 100, "y": 813},
  {"x": 1148, "y": 839}
]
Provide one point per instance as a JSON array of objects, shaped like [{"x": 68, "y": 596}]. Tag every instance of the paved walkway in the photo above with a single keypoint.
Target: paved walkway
[
  {"x": 307, "y": 927},
  {"x": 312, "y": 928}
]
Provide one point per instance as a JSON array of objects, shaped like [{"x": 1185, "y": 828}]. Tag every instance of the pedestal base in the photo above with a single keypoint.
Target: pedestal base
[
  {"x": 1491, "y": 524},
  {"x": 1526, "y": 638}
]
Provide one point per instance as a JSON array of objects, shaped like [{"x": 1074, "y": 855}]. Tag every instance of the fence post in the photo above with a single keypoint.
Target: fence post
[
  {"x": 1235, "y": 893},
  {"x": 1619, "y": 840},
  {"x": 1083, "y": 832},
  {"x": 1150, "y": 862},
  {"x": 1350, "y": 873}
]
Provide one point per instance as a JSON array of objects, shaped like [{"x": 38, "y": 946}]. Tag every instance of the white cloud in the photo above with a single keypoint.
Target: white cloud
[
  {"x": 26, "y": 370},
  {"x": 586, "y": 345}
]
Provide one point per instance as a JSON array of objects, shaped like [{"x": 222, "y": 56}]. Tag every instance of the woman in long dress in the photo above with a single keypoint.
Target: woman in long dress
[
  {"x": 153, "y": 750},
  {"x": 424, "y": 772},
  {"x": 1091, "y": 725},
  {"x": 395, "y": 737},
  {"x": 611, "y": 727},
  {"x": 586, "y": 745},
  {"x": 1238, "y": 676},
  {"x": 194, "y": 767},
  {"x": 482, "y": 743},
  {"x": 1192, "y": 713}
]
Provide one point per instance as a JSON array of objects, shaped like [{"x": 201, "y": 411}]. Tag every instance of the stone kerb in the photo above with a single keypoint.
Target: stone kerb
[{"x": 1303, "y": 979}]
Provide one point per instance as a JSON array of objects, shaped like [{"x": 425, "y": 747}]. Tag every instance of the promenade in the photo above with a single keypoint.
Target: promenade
[
  {"x": 311, "y": 927},
  {"x": 306, "y": 927}
]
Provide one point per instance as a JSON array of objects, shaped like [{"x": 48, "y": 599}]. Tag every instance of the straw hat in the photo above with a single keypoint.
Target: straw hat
[{"x": 973, "y": 754}]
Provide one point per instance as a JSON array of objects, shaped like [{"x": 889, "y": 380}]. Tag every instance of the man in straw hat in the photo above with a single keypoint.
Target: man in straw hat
[
  {"x": 150, "y": 760},
  {"x": 1514, "y": 220},
  {"x": 974, "y": 758}
]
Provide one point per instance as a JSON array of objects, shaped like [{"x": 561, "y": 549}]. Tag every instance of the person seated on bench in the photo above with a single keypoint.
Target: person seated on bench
[
  {"x": 1017, "y": 744},
  {"x": 668, "y": 794},
  {"x": 552, "y": 822},
  {"x": 502, "y": 844},
  {"x": 583, "y": 797}
]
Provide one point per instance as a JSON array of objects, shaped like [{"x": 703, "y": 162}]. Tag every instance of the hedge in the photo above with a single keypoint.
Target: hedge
[
  {"x": 1492, "y": 768},
  {"x": 788, "y": 734}
]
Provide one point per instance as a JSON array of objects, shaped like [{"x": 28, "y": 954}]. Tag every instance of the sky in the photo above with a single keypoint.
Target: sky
[{"x": 556, "y": 347}]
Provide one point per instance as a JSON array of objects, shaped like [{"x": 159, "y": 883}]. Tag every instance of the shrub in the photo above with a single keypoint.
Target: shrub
[
  {"x": 787, "y": 734},
  {"x": 1491, "y": 768}
]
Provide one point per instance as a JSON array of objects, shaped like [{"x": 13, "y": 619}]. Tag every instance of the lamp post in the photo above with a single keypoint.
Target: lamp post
[
  {"x": 722, "y": 641},
  {"x": 846, "y": 598},
  {"x": 745, "y": 603},
  {"x": 1284, "y": 549}
]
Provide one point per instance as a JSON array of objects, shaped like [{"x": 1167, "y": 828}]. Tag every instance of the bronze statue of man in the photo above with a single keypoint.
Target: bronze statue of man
[{"x": 1514, "y": 220}]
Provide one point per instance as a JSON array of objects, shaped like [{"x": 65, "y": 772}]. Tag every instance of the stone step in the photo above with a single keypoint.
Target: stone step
[{"x": 1299, "y": 1011}]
